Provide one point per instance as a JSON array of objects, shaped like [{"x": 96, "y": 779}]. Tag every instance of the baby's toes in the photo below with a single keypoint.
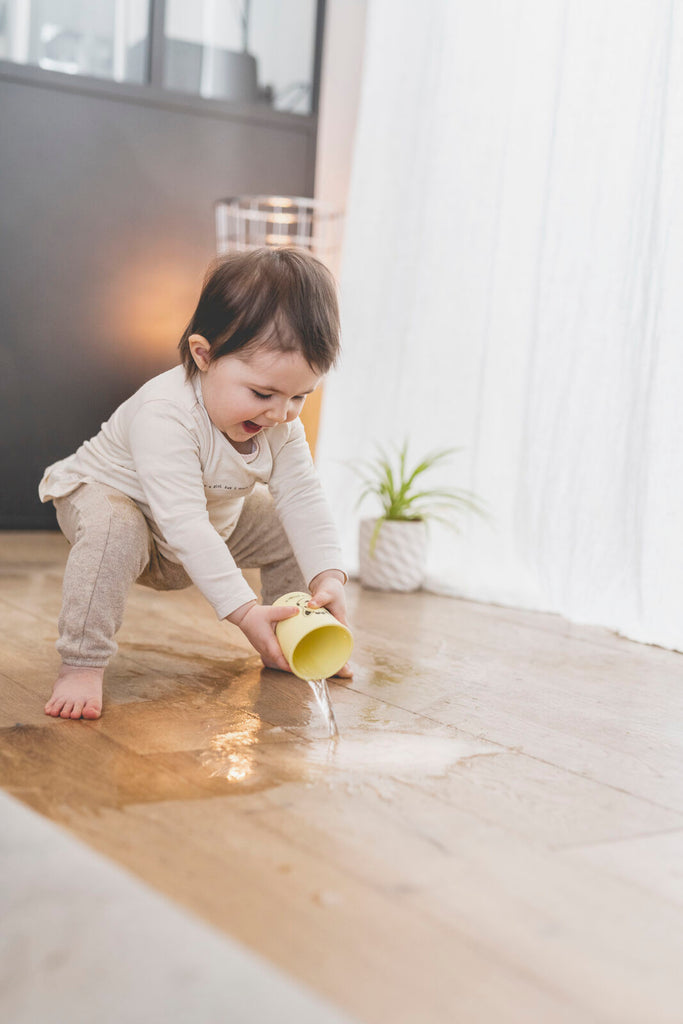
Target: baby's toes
[
  {"x": 92, "y": 709},
  {"x": 77, "y": 709},
  {"x": 345, "y": 672},
  {"x": 67, "y": 708},
  {"x": 54, "y": 706}
]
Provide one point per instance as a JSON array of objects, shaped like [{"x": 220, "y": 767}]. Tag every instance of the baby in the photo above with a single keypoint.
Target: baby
[{"x": 171, "y": 491}]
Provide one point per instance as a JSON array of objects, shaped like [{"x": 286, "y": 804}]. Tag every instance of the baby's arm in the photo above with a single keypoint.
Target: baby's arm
[
  {"x": 167, "y": 457},
  {"x": 308, "y": 522}
]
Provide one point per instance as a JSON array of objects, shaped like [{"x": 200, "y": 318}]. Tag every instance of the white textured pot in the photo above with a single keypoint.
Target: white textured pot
[{"x": 399, "y": 557}]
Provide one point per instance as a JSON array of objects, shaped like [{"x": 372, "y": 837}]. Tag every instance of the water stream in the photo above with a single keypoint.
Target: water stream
[{"x": 322, "y": 696}]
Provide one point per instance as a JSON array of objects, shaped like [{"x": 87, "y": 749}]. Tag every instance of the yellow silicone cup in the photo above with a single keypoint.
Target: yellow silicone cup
[{"x": 315, "y": 644}]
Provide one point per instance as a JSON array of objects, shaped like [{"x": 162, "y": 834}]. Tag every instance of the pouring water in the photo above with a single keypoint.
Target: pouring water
[{"x": 322, "y": 696}]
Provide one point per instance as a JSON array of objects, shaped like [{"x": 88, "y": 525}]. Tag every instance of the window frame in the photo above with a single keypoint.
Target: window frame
[{"x": 152, "y": 91}]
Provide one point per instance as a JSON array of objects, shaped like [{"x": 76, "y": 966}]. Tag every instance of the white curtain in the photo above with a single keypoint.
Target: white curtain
[{"x": 512, "y": 283}]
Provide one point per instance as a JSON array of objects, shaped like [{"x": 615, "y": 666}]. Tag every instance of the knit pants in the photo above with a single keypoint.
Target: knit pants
[{"x": 112, "y": 547}]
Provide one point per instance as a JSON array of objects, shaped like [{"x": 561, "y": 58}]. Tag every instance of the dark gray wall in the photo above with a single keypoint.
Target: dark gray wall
[{"x": 106, "y": 228}]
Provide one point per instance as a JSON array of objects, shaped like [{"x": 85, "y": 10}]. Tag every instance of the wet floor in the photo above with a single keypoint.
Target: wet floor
[
  {"x": 219, "y": 732},
  {"x": 503, "y": 798}
]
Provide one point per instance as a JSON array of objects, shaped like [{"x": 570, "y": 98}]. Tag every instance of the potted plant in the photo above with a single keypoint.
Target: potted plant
[{"x": 393, "y": 546}]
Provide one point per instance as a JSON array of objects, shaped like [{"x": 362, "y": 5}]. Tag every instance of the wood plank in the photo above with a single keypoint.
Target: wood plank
[{"x": 654, "y": 862}]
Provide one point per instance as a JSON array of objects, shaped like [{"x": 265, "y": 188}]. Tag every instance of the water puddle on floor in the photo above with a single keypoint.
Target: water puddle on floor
[
  {"x": 396, "y": 755},
  {"x": 353, "y": 757},
  {"x": 254, "y": 732},
  {"x": 360, "y": 753}
]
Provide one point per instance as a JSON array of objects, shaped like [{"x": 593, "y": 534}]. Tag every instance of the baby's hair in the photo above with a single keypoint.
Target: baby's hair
[{"x": 282, "y": 299}]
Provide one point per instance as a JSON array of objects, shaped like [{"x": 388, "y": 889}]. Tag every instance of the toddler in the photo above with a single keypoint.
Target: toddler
[{"x": 171, "y": 491}]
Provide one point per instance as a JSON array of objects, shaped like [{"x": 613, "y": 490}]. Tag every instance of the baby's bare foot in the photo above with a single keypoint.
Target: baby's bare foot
[{"x": 77, "y": 693}]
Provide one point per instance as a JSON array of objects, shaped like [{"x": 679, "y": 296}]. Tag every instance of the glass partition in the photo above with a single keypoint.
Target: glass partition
[
  {"x": 253, "y": 51},
  {"x": 243, "y": 51},
  {"x": 105, "y": 39}
]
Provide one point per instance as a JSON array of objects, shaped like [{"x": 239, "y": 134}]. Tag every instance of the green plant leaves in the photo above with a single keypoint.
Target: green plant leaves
[{"x": 389, "y": 478}]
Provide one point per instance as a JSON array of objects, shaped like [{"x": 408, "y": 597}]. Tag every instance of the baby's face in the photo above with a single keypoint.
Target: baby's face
[{"x": 246, "y": 394}]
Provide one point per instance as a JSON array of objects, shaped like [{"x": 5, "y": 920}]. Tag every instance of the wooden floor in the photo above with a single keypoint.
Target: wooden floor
[{"x": 496, "y": 837}]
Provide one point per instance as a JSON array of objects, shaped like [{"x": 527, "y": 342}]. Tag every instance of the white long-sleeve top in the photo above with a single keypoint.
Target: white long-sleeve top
[{"x": 162, "y": 450}]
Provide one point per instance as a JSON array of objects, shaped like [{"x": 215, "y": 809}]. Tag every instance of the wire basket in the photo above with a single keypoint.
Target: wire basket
[{"x": 250, "y": 222}]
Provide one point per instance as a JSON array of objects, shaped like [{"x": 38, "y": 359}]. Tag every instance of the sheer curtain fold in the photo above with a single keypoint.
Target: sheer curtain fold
[{"x": 510, "y": 285}]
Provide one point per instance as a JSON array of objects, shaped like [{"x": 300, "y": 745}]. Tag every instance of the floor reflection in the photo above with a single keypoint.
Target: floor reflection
[
  {"x": 233, "y": 729},
  {"x": 230, "y": 754}
]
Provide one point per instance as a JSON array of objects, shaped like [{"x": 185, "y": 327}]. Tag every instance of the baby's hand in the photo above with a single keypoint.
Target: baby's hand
[
  {"x": 258, "y": 622},
  {"x": 327, "y": 591}
]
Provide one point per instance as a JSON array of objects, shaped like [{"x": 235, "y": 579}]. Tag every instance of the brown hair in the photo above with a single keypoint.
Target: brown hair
[{"x": 284, "y": 299}]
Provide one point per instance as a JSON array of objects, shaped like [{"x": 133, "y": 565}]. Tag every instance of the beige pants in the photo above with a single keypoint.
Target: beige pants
[{"x": 112, "y": 547}]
